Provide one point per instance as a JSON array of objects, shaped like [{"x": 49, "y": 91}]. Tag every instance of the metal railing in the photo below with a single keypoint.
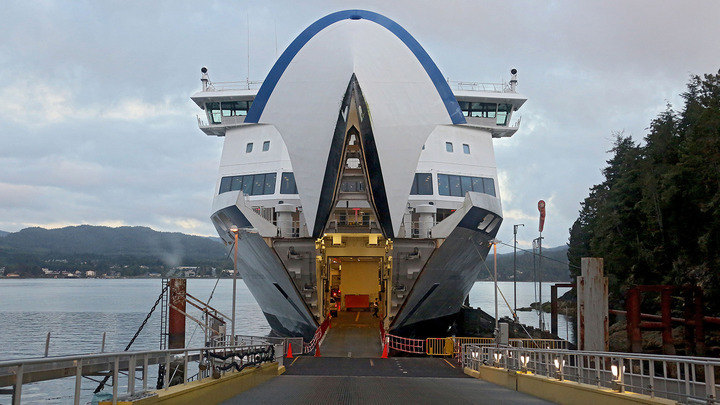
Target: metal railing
[
  {"x": 210, "y": 361},
  {"x": 681, "y": 379},
  {"x": 239, "y": 85},
  {"x": 451, "y": 346},
  {"x": 479, "y": 86}
]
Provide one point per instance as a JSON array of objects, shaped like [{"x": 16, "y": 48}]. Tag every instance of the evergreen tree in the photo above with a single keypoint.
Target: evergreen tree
[{"x": 655, "y": 219}]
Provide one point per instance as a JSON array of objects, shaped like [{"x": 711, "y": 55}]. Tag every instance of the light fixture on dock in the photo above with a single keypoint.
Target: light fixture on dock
[{"x": 523, "y": 362}]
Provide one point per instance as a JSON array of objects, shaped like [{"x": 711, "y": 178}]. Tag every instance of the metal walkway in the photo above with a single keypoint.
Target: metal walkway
[{"x": 378, "y": 381}]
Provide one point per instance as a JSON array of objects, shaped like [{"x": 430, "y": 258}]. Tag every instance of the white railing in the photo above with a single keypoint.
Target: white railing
[
  {"x": 479, "y": 86},
  {"x": 240, "y": 85},
  {"x": 682, "y": 379},
  {"x": 210, "y": 361}
]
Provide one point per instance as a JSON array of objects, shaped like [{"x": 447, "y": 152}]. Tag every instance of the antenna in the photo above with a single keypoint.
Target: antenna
[{"x": 247, "y": 15}]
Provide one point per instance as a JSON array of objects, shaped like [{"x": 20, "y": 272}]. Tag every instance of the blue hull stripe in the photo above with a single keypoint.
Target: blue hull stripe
[{"x": 443, "y": 89}]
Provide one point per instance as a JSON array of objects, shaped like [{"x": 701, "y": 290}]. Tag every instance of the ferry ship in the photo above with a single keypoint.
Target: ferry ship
[{"x": 357, "y": 177}]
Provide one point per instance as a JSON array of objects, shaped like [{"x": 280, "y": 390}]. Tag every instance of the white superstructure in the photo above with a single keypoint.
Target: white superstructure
[{"x": 353, "y": 149}]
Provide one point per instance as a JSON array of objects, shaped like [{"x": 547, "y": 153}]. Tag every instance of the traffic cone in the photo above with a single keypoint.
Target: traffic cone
[
  {"x": 289, "y": 352},
  {"x": 385, "y": 351},
  {"x": 317, "y": 350}
]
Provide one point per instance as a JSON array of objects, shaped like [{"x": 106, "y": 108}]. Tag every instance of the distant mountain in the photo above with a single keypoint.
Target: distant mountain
[
  {"x": 3, "y": 233},
  {"x": 554, "y": 265},
  {"x": 171, "y": 248}
]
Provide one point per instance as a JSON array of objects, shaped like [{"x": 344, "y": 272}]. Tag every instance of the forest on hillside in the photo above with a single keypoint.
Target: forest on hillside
[{"x": 655, "y": 219}]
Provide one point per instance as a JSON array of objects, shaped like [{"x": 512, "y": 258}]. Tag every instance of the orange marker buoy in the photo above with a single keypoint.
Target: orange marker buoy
[
  {"x": 385, "y": 351},
  {"x": 289, "y": 352}
]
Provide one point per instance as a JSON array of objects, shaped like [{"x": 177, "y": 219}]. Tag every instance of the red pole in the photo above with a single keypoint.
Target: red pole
[
  {"x": 176, "y": 319},
  {"x": 665, "y": 307},
  {"x": 553, "y": 310},
  {"x": 632, "y": 304}
]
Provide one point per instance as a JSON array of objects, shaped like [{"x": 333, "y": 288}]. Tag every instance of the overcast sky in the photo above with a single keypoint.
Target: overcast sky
[{"x": 96, "y": 124}]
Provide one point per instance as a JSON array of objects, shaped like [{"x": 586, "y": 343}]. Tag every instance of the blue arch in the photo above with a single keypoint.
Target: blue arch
[{"x": 287, "y": 56}]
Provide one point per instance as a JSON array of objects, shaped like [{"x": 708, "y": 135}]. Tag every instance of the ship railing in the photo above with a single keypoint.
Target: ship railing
[
  {"x": 407, "y": 345},
  {"x": 480, "y": 86},
  {"x": 239, "y": 85},
  {"x": 240, "y": 340},
  {"x": 180, "y": 367},
  {"x": 677, "y": 378},
  {"x": 318, "y": 337}
]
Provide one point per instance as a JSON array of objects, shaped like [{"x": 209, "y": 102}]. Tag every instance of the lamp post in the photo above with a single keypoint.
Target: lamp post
[
  {"x": 494, "y": 244},
  {"x": 515, "y": 228},
  {"x": 235, "y": 233}
]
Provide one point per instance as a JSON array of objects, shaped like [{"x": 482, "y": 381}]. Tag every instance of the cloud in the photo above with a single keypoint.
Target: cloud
[{"x": 97, "y": 125}]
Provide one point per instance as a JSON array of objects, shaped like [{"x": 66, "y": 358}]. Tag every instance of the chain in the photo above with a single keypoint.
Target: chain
[{"x": 147, "y": 318}]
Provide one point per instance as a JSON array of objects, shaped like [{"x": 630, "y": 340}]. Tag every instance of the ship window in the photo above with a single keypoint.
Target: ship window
[
  {"x": 466, "y": 149},
  {"x": 477, "y": 185},
  {"x": 457, "y": 186},
  {"x": 287, "y": 183},
  {"x": 489, "y": 186},
  {"x": 248, "y": 147},
  {"x": 350, "y": 186},
  {"x": 455, "y": 189},
  {"x": 483, "y": 110},
  {"x": 465, "y": 107},
  {"x": 258, "y": 184},
  {"x": 236, "y": 183},
  {"x": 213, "y": 112},
  {"x": 503, "y": 113},
  {"x": 448, "y": 146},
  {"x": 247, "y": 184},
  {"x": 466, "y": 184},
  {"x": 266, "y": 146},
  {"x": 443, "y": 184},
  {"x": 225, "y": 184},
  {"x": 227, "y": 108},
  {"x": 422, "y": 184},
  {"x": 270, "y": 183}
]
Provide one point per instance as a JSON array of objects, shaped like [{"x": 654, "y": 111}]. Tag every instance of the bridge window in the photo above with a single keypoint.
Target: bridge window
[
  {"x": 483, "y": 110},
  {"x": 457, "y": 186},
  {"x": 465, "y": 107},
  {"x": 287, "y": 183},
  {"x": 252, "y": 184},
  {"x": 466, "y": 149},
  {"x": 422, "y": 184},
  {"x": 449, "y": 146},
  {"x": 266, "y": 146},
  {"x": 213, "y": 112},
  {"x": 248, "y": 147},
  {"x": 503, "y": 113}
]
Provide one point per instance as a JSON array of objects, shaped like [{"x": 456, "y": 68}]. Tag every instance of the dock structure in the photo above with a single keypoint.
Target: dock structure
[{"x": 338, "y": 380}]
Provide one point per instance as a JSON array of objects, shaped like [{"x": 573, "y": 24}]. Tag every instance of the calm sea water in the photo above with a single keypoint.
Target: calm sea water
[{"x": 77, "y": 312}]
